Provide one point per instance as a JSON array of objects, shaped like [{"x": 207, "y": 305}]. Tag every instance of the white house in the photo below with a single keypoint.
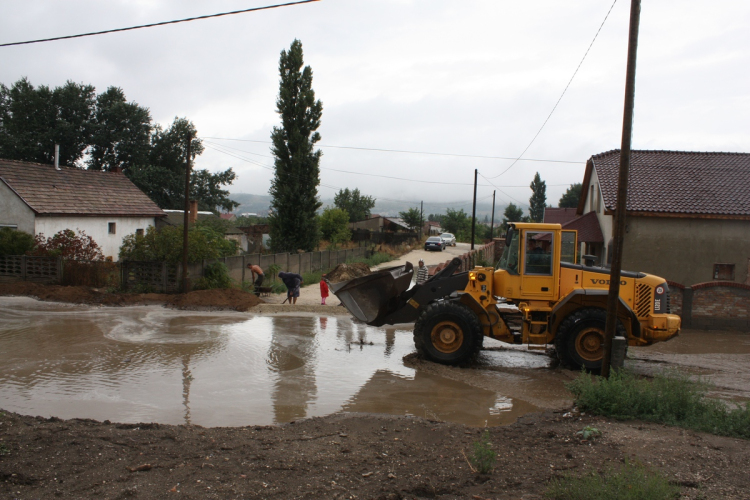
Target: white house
[{"x": 39, "y": 199}]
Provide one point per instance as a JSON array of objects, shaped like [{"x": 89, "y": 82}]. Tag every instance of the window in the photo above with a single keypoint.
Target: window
[
  {"x": 509, "y": 258},
  {"x": 591, "y": 199},
  {"x": 139, "y": 232},
  {"x": 538, "y": 258},
  {"x": 724, "y": 272},
  {"x": 568, "y": 248},
  {"x": 112, "y": 228}
]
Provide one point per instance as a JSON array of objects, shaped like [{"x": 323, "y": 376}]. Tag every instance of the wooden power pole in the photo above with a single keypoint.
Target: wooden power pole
[
  {"x": 474, "y": 210},
  {"x": 492, "y": 221},
  {"x": 622, "y": 189},
  {"x": 185, "y": 285}
]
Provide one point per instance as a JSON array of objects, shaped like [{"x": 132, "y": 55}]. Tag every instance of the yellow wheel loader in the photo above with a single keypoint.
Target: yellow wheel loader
[{"x": 538, "y": 296}]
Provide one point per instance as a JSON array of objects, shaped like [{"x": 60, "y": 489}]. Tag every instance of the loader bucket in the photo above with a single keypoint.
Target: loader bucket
[{"x": 370, "y": 298}]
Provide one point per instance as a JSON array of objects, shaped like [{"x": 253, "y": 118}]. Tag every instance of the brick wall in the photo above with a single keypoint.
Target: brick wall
[{"x": 712, "y": 305}]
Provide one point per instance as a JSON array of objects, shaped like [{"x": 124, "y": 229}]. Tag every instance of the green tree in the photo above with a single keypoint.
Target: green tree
[
  {"x": 513, "y": 214},
  {"x": 412, "y": 218},
  {"x": 165, "y": 245},
  {"x": 122, "y": 132},
  {"x": 538, "y": 200},
  {"x": 334, "y": 225},
  {"x": 33, "y": 120},
  {"x": 436, "y": 217},
  {"x": 571, "y": 196},
  {"x": 69, "y": 245},
  {"x": 357, "y": 205},
  {"x": 163, "y": 177},
  {"x": 294, "y": 188},
  {"x": 14, "y": 242},
  {"x": 456, "y": 222}
]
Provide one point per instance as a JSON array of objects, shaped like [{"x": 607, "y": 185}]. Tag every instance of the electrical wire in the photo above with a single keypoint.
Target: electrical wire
[
  {"x": 337, "y": 188},
  {"x": 561, "y": 95},
  {"x": 163, "y": 23},
  {"x": 483, "y": 157}
]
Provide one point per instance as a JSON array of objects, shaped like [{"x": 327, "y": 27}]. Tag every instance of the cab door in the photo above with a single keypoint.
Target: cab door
[{"x": 539, "y": 267}]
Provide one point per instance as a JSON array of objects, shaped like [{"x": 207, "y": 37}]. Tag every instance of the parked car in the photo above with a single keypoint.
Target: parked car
[
  {"x": 449, "y": 239},
  {"x": 434, "y": 243}
]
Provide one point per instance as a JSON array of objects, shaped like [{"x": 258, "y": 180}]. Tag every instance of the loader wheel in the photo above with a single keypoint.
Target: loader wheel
[
  {"x": 448, "y": 333},
  {"x": 579, "y": 341}
]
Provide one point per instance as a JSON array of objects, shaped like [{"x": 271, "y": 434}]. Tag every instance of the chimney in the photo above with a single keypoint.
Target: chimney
[
  {"x": 116, "y": 170},
  {"x": 57, "y": 157},
  {"x": 193, "y": 213}
]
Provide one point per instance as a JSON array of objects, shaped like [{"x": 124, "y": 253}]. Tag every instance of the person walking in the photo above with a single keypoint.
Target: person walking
[
  {"x": 323, "y": 290},
  {"x": 422, "y": 272},
  {"x": 293, "y": 282},
  {"x": 257, "y": 276}
]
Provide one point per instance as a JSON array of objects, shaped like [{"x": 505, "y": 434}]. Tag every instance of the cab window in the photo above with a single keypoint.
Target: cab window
[
  {"x": 538, "y": 257},
  {"x": 509, "y": 260}
]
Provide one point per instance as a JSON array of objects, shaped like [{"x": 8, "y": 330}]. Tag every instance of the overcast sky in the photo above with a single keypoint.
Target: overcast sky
[{"x": 469, "y": 77}]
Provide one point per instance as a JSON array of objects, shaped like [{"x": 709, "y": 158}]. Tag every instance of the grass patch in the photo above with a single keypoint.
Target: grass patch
[
  {"x": 375, "y": 259},
  {"x": 4, "y": 450},
  {"x": 629, "y": 482},
  {"x": 670, "y": 398}
]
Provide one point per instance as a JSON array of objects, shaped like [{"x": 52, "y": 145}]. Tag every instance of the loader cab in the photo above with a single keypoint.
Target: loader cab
[{"x": 531, "y": 260}]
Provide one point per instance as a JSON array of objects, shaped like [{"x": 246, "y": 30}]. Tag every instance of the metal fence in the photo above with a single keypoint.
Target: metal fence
[
  {"x": 145, "y": 277},
  {"x": 29, "y": 268}
]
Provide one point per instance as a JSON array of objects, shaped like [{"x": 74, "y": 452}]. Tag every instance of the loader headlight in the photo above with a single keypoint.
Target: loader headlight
[{"x": 472, "y": 276}]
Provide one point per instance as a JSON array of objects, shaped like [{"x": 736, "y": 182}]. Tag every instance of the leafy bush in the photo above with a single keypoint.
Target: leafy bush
[
  {"x": 671, "y": 398},
  {"x": 13, "y": 242},
  {"x": 334, "y": 225},
  {"x": 215, "y": 275},
  {"x": 68, "y": 245},
  {"x": 165, "y": 245},
  {"x": 629, "y": 482}
]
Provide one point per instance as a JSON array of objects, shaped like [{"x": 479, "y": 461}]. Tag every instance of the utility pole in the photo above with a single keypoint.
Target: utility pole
[
  {"x": 622, "y": 189},
  {"x": 421, "y": 219},
  {"x": 474, "y": 210},
  {"x": 492, "y": 221},
  {"x": 185, "y": 285}
]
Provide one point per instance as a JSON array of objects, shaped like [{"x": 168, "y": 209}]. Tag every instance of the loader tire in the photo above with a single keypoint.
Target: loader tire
[
  {"x": 579, "y": 341},
  {"x": 448, "y": 333}
]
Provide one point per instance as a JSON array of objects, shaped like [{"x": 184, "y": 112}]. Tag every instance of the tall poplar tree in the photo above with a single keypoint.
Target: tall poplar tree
[
  {"x": 293, "y": 224},
  {"x": 538, "y": 200}
]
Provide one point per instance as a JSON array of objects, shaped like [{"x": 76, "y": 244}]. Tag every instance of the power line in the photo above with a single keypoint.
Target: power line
[
  {"x": 163, "y": 23},
  {"x": 483, "y": 157},
  {"x": 561, "y": 95},
  {"x": 506, "y": 194}
]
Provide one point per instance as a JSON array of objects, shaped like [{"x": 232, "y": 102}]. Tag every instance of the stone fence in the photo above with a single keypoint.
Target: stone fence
[
  {"x": 29, "y": 268},
  {"x": 711, "y": 305}
]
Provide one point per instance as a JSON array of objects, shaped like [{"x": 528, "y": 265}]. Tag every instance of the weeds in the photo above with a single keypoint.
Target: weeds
[
  {"x": 671, "y": 398},
  {"x": 482, "y": 456},
  {"x": 589, "y": 433},
  {"x": 4, "y": 450},
  {"x": 629, "y": 482}
]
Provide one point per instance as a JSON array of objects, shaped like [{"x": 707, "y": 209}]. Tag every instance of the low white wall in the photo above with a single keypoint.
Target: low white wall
[{"x": 96, "y": 227}]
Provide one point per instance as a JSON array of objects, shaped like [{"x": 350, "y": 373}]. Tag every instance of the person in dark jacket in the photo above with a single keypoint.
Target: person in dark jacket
[{"x": 293, "y": 282}]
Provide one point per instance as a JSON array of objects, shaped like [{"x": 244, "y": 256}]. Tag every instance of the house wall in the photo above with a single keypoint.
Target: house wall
[
  {"x": 13, "y": 210},
  {"x": 685, "y": 250},
  {"x": 96, "y": 227},
  {"x": 606, "y": 222}
]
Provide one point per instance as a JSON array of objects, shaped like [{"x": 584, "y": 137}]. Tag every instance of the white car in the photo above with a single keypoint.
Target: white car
[{"x": 449, "y": 239}]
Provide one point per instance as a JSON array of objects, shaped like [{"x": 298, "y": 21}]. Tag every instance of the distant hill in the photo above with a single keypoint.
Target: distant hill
[{"x": 259, "y": 204}]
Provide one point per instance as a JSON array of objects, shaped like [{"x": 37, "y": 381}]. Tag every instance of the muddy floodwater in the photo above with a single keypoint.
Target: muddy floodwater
[{"x": 151, "y": 364}]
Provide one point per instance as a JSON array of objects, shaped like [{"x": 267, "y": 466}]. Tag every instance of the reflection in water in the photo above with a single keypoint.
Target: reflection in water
[
  {"x": 187, "y": 377},
  {"x": 292, "y": 355},
  {"x": 149, "y": 364}
]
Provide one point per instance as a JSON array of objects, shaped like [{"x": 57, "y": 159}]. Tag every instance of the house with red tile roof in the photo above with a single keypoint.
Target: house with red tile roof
[
  {"x": 40, "y": 199},
  {"x": 688, "y": 213}
]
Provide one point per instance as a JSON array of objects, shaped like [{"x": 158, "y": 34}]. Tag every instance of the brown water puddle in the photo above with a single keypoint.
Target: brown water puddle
[{"x": 150, "y": 364}]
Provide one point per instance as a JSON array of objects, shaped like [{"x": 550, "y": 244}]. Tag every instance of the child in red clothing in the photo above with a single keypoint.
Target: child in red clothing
[{"x": 323, "y": 290}]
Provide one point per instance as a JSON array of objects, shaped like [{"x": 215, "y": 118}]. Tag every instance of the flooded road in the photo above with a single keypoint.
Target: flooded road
[{"x": 150, "y": 364}]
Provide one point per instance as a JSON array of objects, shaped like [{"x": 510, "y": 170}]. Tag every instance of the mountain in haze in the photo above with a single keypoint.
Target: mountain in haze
[{"x": 259, "y": 204}]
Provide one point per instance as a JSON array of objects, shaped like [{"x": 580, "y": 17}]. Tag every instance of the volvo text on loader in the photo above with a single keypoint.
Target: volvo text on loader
[{"x": 537, "y": 296}]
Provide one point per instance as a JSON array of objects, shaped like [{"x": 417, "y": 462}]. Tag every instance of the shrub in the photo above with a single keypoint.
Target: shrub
[
  {"x": 334, "y": 225},
  {"x": 13, "y": 242},
  {"x": 68, "y": 245},
  {"x": 482, "y": 456},
  {"x": 629, "y": 482},
  {"x": 215, "y": 275},
  {"x": 165, "y": 245},
  {"x": 671, "y": 398}
]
